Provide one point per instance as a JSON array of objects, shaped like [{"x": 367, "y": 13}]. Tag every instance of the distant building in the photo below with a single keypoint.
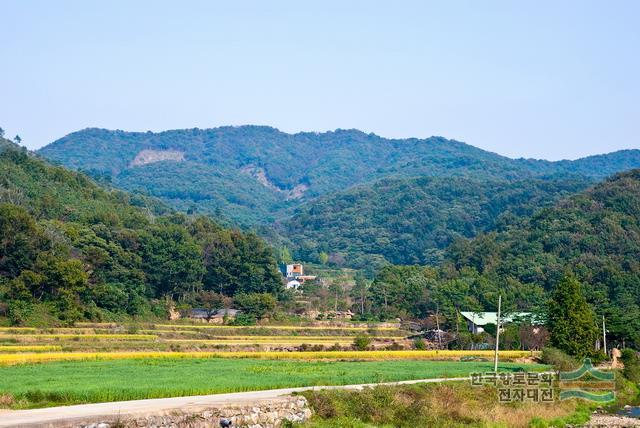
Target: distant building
[
  {"x": 293, "y": 284},
  {"x": 215, "y": 316},
  {"x": 476, "y": 321},
  {"x": 295, "y": 272}
]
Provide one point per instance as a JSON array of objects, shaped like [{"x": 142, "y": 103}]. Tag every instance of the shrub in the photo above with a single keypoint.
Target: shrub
[
  {"x": 6, "y": 401},
  {"x": 420, "y": 344},
  {"x": 631, "y": 365},
  {"x": 361, "y": 342},
  {"x": 243, "y": 319},
  {"x": 394, "y": 346},
  {"x": 259, "y": 305},
  {"x": 19, "y": 311},
  {"x": 558, "y": 359}
]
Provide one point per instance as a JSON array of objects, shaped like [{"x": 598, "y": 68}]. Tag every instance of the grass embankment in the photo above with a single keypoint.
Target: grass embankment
[
  {"x": 58, "y": 383},
  {"x": 434, "y": 405},
  {"x": 40, "y": 337},
  {"x": 450, "y": 405},
  {"x": 30, "y": 348},
  {"x": 277, "y": 327}
]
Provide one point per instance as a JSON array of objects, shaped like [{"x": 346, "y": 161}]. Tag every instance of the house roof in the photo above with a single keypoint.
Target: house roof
[
  {"x": 484, "y": 318},
  {"x": 205, "y": 313}
]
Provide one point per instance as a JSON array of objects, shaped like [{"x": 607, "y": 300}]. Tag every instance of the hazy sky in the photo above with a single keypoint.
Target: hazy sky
[{"x": 547, "y": 79}]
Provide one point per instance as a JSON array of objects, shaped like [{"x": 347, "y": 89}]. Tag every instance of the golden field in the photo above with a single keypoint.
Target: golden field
[
  {"x": 29, "y": 348},
  {"x": 10, "y": 359},
  {"x": 79, "y": 336}
]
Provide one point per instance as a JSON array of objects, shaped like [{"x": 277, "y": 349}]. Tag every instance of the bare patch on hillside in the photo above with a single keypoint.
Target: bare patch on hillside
[
  {"x": 260, "y": 175},
  {"x": 151, "y": 156}
]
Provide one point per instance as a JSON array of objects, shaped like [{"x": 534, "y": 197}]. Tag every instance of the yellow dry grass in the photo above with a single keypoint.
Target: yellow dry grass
[
  {"x": 274, "y": 327},
  {"x": 9, "y": 359},
  {"x": 258, "y": 342},
  {"x": 277, "y": 338},
  {"x": 28, "y": 348},
  {"x": 80, "y": 336}
]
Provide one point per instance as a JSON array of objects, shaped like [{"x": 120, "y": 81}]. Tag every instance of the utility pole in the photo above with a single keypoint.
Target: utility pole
[
  {"x": 458, "y": 327},
  {"x": 604, "y": 335},
  {"x": 438, "y": 325},
  {"x": 495, "y": 358}
]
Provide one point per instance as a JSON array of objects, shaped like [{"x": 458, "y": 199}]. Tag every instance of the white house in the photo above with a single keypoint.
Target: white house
[{"x": 293, "y": 284}]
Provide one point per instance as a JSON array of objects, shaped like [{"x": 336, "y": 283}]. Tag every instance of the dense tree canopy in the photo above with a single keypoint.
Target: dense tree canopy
[
  {"x": 595, "y": 234},
  {"x": 83, "y": 251},
  {"x": 411, "y": 221},
  {"x": 255, "y": 174}
]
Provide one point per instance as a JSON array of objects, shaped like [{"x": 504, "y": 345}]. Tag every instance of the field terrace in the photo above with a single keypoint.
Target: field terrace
[{"x": 174, "y": 340}]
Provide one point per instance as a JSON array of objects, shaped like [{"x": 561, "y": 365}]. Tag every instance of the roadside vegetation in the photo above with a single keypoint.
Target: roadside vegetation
[{"x": 433, "y": 405}]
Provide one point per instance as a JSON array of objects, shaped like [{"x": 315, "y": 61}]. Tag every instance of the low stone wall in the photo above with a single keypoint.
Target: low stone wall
[{"x": 264, "y": 414}]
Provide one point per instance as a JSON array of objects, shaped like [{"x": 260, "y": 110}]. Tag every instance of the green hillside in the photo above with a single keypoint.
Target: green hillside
[
  {"x": 595, "y": 234},
  {"x": 411, "y": 221},
  {"x": 74, "y": 250},
  {"x": 255, "y": 174}
]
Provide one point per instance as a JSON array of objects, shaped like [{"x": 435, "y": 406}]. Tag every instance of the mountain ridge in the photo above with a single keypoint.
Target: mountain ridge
[{"x": 208, "y": 173}]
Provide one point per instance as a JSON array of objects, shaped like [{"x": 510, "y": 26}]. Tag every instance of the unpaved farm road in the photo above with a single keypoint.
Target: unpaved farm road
[{"x": 55, "y": 416}]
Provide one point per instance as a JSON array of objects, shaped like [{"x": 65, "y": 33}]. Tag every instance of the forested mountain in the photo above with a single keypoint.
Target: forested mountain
[
  {"x": 595, "y": 234},
  {"x": 255, "y": 174},
  {"x": 411, "y": 221},
  {"x": 74, "y": 250}
]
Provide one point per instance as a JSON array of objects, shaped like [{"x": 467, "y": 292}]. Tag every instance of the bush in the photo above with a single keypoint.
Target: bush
[
  {"x": 631, "y": 365},
  {"x": 258, "y": 305},
  {"x": 19, "y": 312},
  {"x": 420, "y": 344},
  {"x": 361, "y": 342},
  {"x": 243, "y": 319},
  {"x": 558, "y": 359}
]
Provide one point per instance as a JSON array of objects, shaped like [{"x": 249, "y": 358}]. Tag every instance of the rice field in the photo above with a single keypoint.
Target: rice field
[
  {"x": 111, "y": 337},
  {"x": 110, "y": 341},
  {"x": 44, "y": 336},
  {"x": 22, "y": 358},
  {"x": 278, "y": 327},
  {"x": 106, "y": 362},
  {"x": 70, "y": 382},
  {"x": 29, "y": 348}
]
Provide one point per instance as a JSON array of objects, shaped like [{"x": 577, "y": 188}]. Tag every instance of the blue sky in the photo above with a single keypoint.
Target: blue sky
[{"x": 544, "y": 79}]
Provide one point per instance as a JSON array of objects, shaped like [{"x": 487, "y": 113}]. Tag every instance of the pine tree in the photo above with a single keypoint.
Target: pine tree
[{"x": 571, "y": 319}]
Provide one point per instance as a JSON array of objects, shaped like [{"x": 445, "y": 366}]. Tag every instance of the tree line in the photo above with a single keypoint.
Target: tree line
[{"x": 71, "y": 250}]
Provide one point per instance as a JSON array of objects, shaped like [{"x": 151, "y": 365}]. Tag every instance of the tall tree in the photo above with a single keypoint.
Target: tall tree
[
  {"x": 572, "y": 321},
  {"x": 360, "y": 294},
  {"x": 285, "y": 256}
]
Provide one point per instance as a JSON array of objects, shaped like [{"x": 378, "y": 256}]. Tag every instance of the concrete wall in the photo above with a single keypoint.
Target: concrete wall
[{"x": 263, "y": 414}]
